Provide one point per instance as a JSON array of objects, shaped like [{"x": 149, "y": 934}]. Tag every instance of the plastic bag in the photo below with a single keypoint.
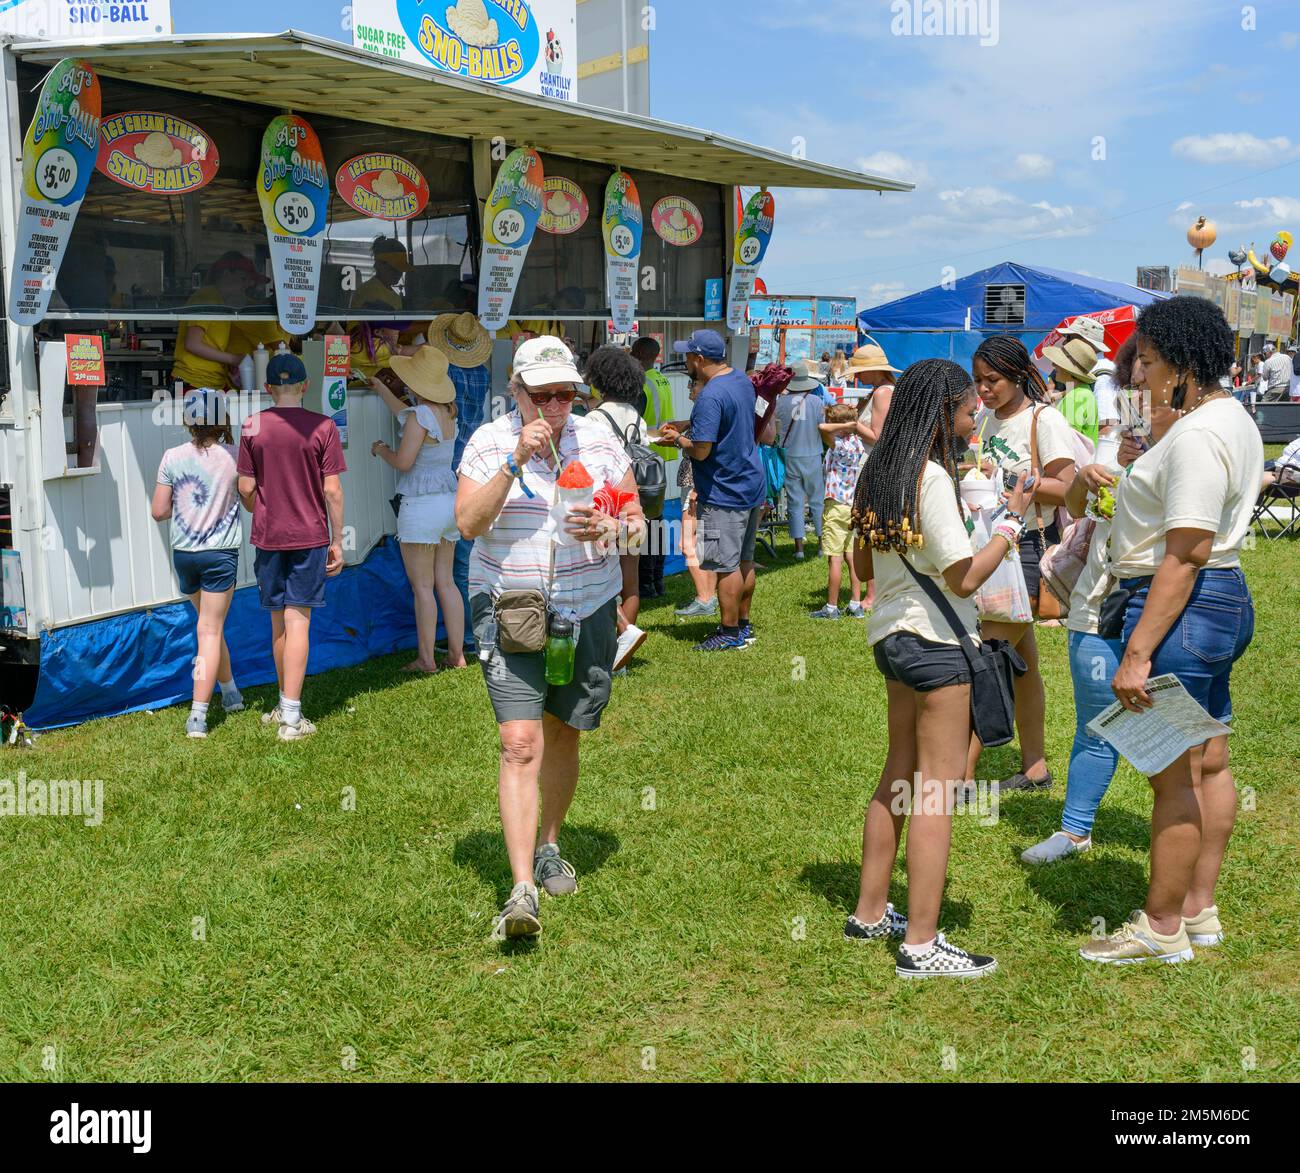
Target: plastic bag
[{"x": 1004, "y": 596}]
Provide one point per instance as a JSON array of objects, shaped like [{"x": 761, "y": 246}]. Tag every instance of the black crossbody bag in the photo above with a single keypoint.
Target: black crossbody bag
[{"x": 992, "y": 672}]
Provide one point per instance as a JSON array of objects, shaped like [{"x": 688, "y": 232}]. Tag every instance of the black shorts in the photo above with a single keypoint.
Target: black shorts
[
  {"x": 1030, "y": 554},
  {"x": 920, "y": 664}
]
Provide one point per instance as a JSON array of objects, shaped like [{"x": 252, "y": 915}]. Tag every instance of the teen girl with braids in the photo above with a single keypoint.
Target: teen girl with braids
[
  {"x": 907, "y": 507},
  {"x": 1014, "y": 394}
]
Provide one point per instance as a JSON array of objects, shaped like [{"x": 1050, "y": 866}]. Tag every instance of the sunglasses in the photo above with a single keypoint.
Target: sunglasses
[{"x": 542, "y": 398}]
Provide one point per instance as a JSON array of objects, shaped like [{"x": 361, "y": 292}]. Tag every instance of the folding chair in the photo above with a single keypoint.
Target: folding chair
[{"x": 1275, "y": 496}]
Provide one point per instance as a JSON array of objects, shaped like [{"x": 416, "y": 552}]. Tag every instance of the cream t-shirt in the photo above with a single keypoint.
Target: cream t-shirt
[
  {"x": 1204, "y": 474},
  {"x": 1092, "y": 586},
  {"x": 901, "y": 604},
  {"x": 1007, "y": 443}
]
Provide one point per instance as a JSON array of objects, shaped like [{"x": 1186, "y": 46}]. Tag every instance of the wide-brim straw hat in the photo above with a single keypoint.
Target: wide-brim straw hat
[
  {"x": 461, "y": 338},
  {"x": 871, "y": 357},
  {"x": 1076, "y": 358},
  {"x": 425, "y": 373}
]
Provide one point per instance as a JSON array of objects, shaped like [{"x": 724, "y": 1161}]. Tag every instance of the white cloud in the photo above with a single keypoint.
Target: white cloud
[
  {"x": 894, "y": 166},
  {"x": 1031, "y": 166},
  {"x": 1239, "y": 148},
  {"x": 1283, "y": 209}
]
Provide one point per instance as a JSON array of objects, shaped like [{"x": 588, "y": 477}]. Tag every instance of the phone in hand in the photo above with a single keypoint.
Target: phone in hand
[{"x": 1009, "y": 479}]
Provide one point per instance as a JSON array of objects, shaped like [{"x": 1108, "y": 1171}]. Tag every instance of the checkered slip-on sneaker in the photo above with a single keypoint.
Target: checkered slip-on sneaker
[
  {"x": 891, "y": 924},
  {"x": 943, "y": 960}
]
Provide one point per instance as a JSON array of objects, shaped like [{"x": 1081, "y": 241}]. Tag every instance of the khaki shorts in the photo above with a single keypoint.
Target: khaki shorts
[
  {"x": 837, "y": 528},
  {"x": 516, "y": 683}
]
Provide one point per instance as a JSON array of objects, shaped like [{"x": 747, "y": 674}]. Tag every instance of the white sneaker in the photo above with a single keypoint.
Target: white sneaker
[
  {"x": 631, "y": 639},
  {"x": 304, "y": 728},
  {"x": 1055, "y": 847},
  {"x": 273, "y": 717}
]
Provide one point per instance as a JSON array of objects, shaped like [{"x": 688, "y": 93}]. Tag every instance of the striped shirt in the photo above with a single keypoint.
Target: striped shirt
[{"x": 515, "y": 553}]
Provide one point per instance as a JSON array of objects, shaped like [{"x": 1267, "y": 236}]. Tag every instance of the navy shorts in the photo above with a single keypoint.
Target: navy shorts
[
  {"x": 920, "y": 664},
  {"x": 291, "y": 578},
  {"x": 1211, "y": 634},
  {"x": 205, "y": 570}
]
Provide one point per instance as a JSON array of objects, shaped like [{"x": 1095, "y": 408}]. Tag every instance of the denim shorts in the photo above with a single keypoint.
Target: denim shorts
[
  {"x": 291, "y": 578},
  {"x": 205, "y": 570},
  {"x": 920, "y": 664},
  {"x": 725, "y": 538},
  {"x": 1205, "y": 641}
]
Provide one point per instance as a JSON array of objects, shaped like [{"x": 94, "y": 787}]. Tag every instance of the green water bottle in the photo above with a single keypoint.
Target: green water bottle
[{"x": 561, "y": 651}]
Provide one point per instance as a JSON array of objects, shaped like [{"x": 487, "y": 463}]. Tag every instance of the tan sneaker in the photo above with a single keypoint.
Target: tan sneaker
[
  {"x": 304, "y": 728},
  {"x": 1137, "y": 941},
  {"x": 1204, "y": 929}
]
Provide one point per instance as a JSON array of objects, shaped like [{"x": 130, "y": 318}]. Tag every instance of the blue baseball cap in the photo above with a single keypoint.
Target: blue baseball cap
[
  {"x": 285, "y": 369},
  {"x": 705, "y": 343}
]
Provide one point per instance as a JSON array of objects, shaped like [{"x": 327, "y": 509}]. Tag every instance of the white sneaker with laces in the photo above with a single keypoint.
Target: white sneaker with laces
[
  {"x": 1056, "y": 846},
  {"x": 631, "y": 639},
  {"x": 304, "y": 728}
]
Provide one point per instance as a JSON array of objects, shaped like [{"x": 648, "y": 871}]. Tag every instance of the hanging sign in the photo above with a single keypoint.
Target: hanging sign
[
  {"x": 156, "y": 153},
  {"x": 677, "y": 221},
  {"x": 58, "y": 160},
  {"x": 85, "y": 360},
  {"x": 753, "y": 235},
  {"x": 622, "y": 224},
  {"x": 383, "y": 187},
  {"x": 293, "y": 189},
  {"x": 509, "y": 222},
  {"x": 564, "y": 206}
]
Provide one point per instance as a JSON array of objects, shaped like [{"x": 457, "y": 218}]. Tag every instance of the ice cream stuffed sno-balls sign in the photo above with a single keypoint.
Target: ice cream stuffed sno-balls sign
[
  {"x": 386, "y": 187},
  {"x": 58, "y": 159},
  {"x": 293, "y": 190}
]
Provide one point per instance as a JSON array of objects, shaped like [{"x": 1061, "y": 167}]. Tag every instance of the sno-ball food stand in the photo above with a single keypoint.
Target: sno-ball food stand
[{"x": 89, "y": 592}]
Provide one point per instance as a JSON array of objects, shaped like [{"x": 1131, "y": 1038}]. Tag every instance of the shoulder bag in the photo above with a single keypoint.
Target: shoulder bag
[{"x": 992, "y": 672}]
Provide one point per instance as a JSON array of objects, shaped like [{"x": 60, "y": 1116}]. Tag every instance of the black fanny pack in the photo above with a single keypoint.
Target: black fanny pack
[
  {"x": 993, "y": 670},
  {"x": 1114, "y": 607}
]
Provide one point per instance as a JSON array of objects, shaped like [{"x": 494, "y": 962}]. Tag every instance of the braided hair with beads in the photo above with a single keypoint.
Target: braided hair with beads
[
  {"x": 1007, "y": 355},
  {"x": 919, "y": 428}
]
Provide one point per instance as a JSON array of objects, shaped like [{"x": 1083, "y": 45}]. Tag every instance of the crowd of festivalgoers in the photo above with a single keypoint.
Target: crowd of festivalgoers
[{"x": 966, "y": 508}]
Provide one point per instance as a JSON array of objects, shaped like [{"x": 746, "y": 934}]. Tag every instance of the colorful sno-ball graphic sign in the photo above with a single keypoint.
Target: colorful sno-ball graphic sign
[
  {"x": 677, "y": 221},
  {"x": 564, "y": 206},
  {"x": 622, "y": 224},
  {"x": 382, "y": 186},
  {"x": 753, "y": 235},
  {"x": 156, "y": 153},
  {"x": 58, "y": 159},
  {"x": 293, "y": 190},
  {"x": 509, "y": 222}
]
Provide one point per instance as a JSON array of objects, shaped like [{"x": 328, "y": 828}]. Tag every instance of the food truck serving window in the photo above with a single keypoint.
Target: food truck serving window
[
  {"x": 138, "y": 255},
  {"x": 564, "y": 275}
]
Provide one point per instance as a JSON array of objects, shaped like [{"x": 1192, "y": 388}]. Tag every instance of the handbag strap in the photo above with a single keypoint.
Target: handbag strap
[
  {"x": 790, "y": 426},
  {"x": 946, "y": 608}
]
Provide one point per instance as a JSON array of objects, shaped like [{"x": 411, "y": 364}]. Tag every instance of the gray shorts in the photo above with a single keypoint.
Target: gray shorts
[
  {"x": 725, "y": 538},
  {"x": 516, "y": 683}
]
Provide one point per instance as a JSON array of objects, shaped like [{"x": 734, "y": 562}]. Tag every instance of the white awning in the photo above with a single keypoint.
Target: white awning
[{"x": 314, "y": 75}]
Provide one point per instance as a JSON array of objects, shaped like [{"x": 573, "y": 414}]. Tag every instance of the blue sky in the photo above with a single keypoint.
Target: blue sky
[{"x": 1088, "y": 137}]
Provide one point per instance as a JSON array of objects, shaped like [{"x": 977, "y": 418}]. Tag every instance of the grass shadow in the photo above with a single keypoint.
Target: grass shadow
[
  {"x": 1082, "y": 889},
  {"x": 1039, "y": 815},
  {"x": 837, "y": 883},
  {"x": 586, "y": 847}
]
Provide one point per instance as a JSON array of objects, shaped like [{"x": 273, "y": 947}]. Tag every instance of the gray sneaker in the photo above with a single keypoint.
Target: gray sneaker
[
  {"x": 196, "y": 726},
  {"x": 697, "y": 609},
  {"x": 827, "y": 612},
  {"x": 553, "y": 874},
  {"x": 232, "y": 702},
  {"x": 857, "y": 611},
  {"x": 519, "y": 916}
]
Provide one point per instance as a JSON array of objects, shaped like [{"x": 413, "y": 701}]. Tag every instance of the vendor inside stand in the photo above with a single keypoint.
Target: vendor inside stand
[{"x": 208, "y": 353}]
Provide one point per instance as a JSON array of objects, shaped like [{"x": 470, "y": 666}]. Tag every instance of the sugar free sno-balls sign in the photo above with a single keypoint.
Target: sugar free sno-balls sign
[
  {"x": 622, "y": 224},
  {"x": 85, "y": 360},
  {"x": 529, "y": 45},
  {"x": 677, "y": 221},
  {"x": 509, "y": 223},
  {"x": 383, "y": 187},
  {"x": 156, "y": 153},
  {"x": 752, "y": 238},
  {"x": 58, "y": 159},
  {"x": 293, "y": 190},
  {"x": 564, "y": 206}
]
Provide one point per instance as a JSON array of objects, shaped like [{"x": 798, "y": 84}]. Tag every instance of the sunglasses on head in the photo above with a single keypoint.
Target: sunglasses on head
[{"x": 542, "y": 398}]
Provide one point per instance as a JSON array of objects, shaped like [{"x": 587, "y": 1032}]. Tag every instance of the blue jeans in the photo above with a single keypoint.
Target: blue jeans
[
  {"x": 1093, "y": 662},
  {"x": 1205, "y": 641}
]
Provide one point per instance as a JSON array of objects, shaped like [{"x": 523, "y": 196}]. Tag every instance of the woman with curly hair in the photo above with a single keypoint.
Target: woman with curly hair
[
  {"x": 1182, "y": 512},
  {"x": 907, "y": 509}
]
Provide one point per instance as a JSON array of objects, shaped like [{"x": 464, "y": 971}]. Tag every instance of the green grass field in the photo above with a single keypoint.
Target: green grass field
[{"x": 704, "y": 942}]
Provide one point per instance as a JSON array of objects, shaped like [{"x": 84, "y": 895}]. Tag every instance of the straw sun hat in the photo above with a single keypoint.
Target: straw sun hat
[
  {"x": 461, "y": 338},
  {"x": 869, "y": 358},
  {"x": 425, "y": 373},
  {"x": 1076, "y": 358}
]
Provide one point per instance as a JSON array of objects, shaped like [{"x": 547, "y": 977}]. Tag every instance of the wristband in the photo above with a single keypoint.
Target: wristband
[{"x": 516, "y": 473}]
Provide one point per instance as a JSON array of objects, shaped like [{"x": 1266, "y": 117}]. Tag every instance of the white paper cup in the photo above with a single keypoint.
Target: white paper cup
[
  {"x": 1107, "y": 454},
  {"x": 978, "y": 492},
  {"x": 566, "y": 500}
]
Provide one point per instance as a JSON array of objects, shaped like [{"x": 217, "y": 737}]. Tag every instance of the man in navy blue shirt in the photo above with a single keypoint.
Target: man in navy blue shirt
[{"x": 729, "y": 482}]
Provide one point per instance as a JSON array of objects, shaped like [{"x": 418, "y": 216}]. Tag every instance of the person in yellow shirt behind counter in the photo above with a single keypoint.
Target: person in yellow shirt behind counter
[{"x": 206, "y": 351}]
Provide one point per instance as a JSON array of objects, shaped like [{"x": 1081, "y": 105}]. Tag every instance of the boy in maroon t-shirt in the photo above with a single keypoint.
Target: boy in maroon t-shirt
[{"x": 289, "y": 465}]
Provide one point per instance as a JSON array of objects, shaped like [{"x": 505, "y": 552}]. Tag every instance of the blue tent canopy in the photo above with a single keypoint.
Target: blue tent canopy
[{"x": 933, "y": 323}]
